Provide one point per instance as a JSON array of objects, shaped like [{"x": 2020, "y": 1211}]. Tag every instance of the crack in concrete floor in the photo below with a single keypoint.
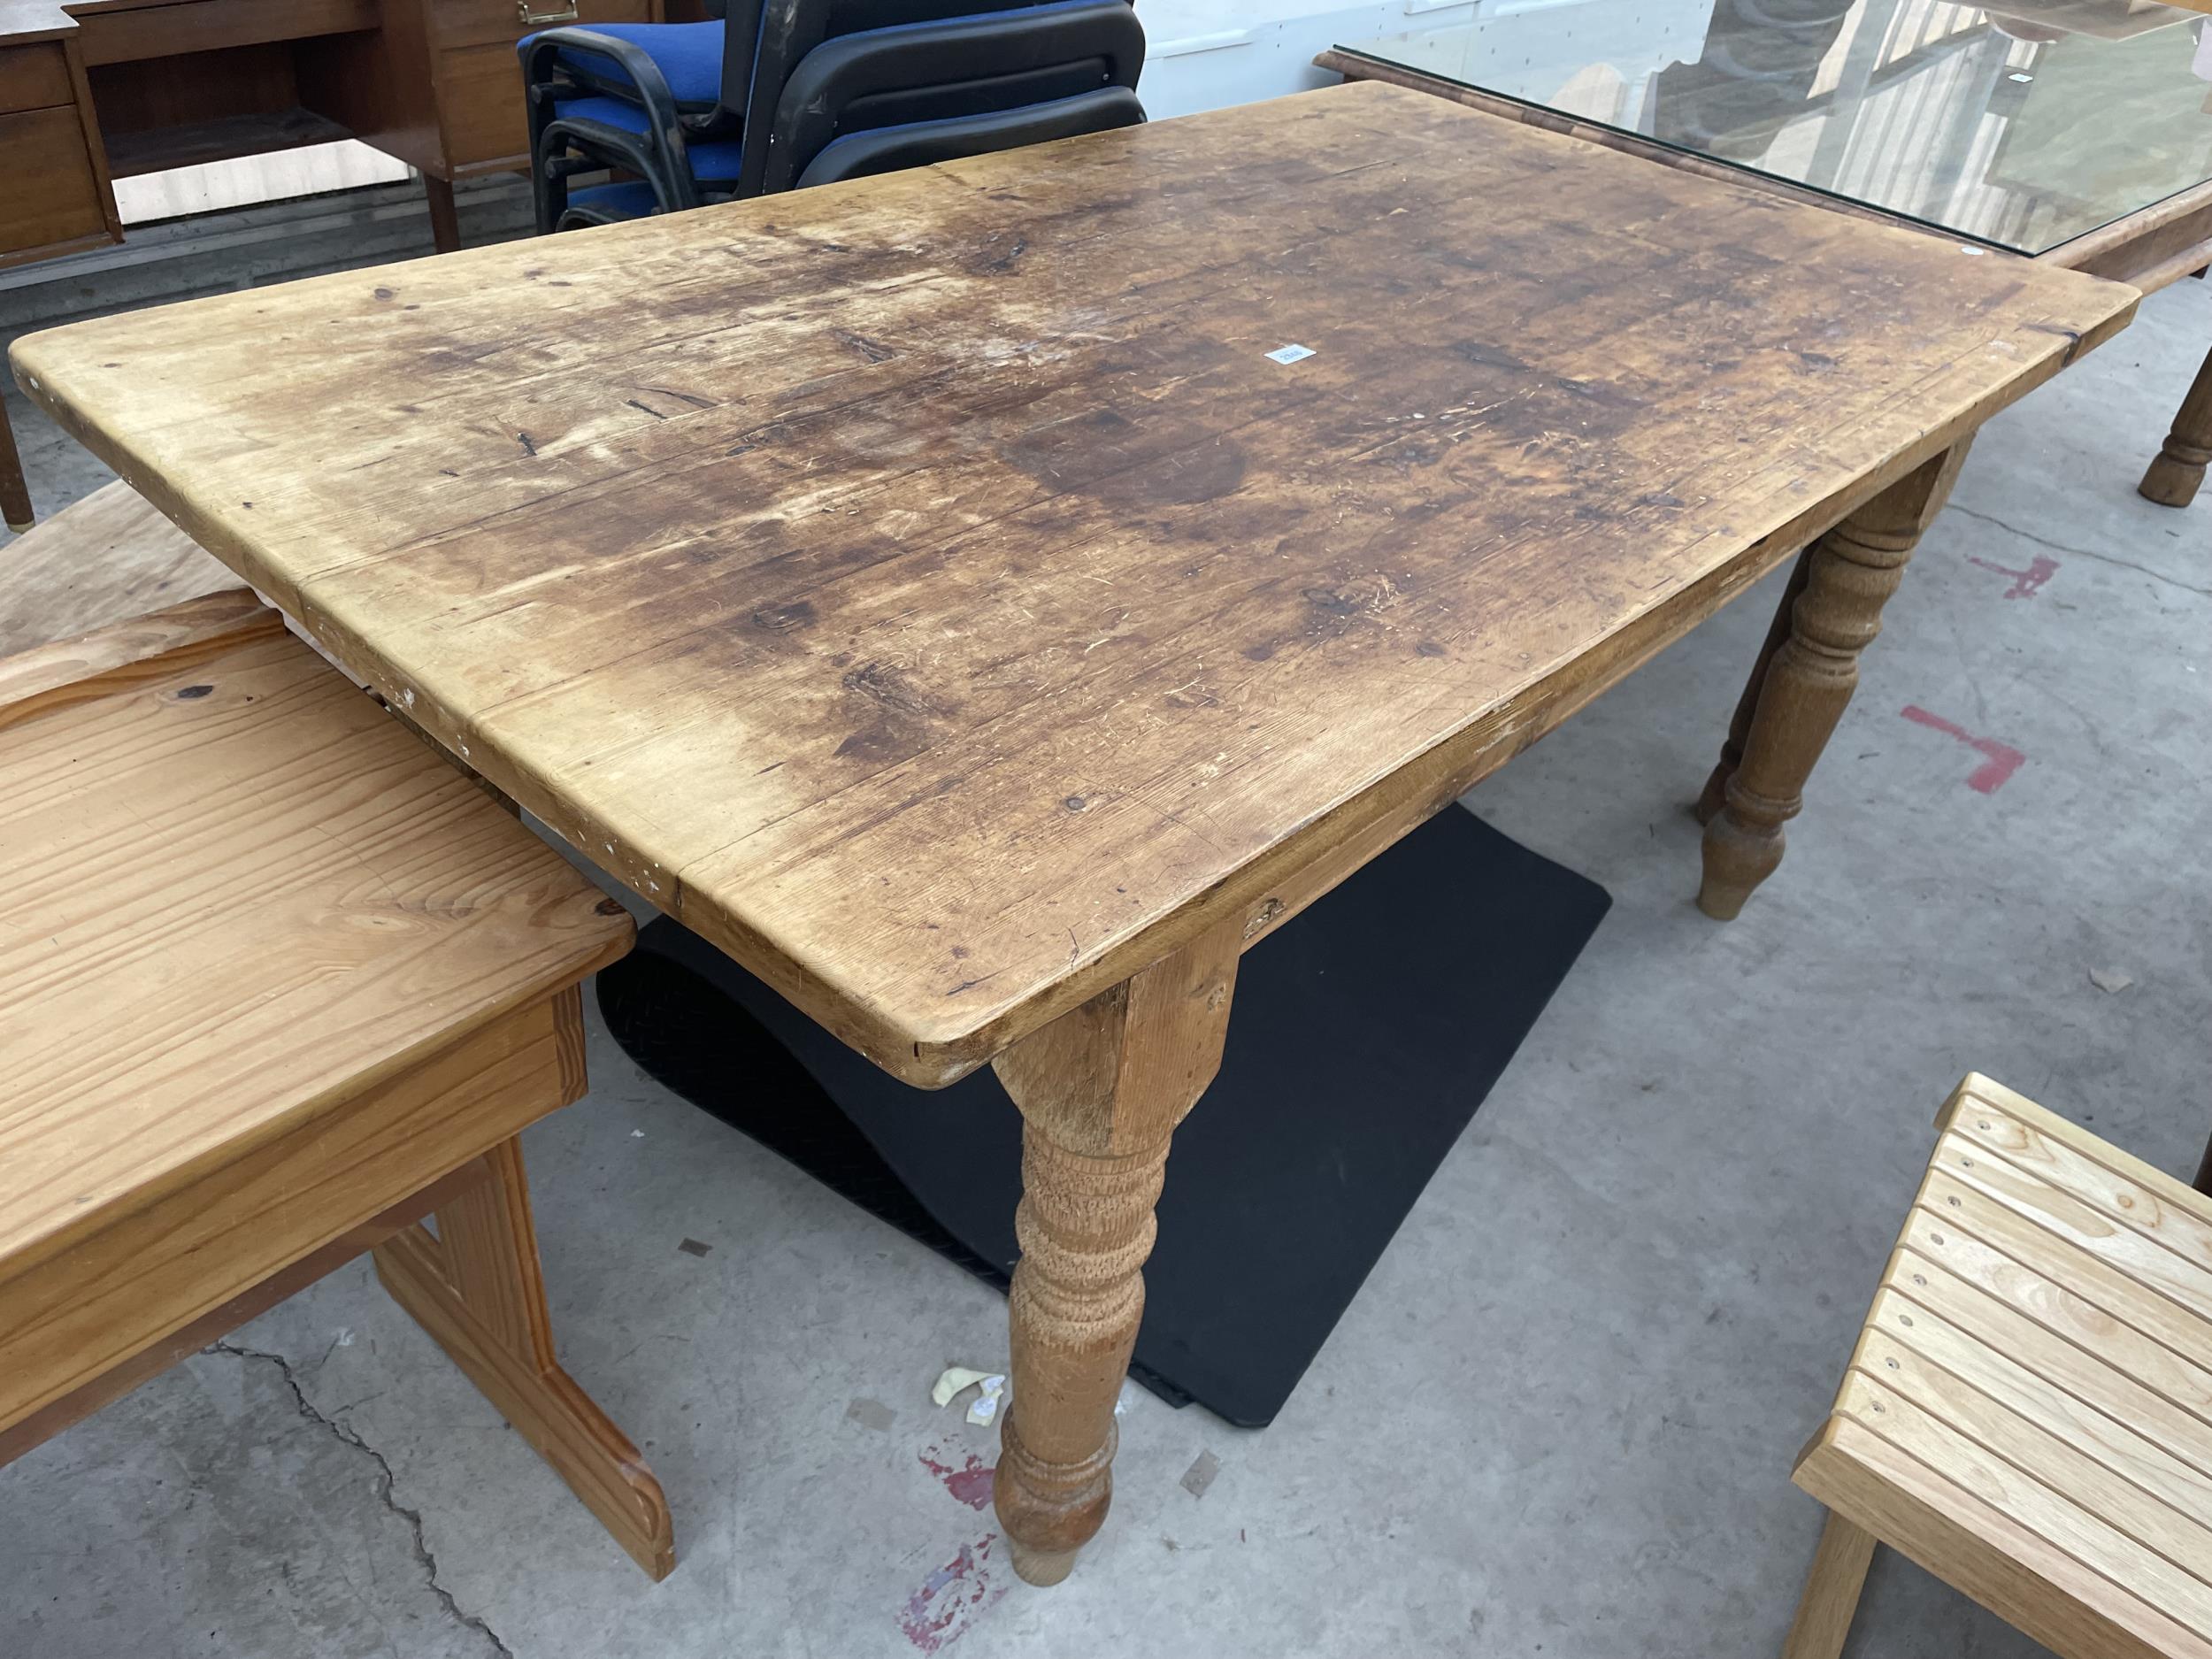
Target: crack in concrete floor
[
  {"x": 346, "y": 1435},
  {"x": 2079, "y": 552}
]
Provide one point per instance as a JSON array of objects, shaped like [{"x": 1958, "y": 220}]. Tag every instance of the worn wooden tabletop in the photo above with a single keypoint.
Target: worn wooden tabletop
[{"x": 936, "y": 590}]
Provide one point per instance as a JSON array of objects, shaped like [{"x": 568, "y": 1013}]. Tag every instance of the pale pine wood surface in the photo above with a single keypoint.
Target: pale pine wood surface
[
  {"x": 91, "y": 667},
  {"x": 240, "y": 895},
  {"x": 80, "y": 1303},
  {"x": 2029, "y": 1410},
  {"x": 929, "y": 589},
  {"x": 105, "y": 559}
]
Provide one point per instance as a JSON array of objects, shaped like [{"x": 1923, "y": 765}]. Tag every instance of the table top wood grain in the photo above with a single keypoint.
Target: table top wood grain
[{"x": 934, "y": 590}]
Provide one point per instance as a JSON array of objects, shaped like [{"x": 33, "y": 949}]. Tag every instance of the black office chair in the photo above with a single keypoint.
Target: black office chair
[{"x": 840, "y": 88}]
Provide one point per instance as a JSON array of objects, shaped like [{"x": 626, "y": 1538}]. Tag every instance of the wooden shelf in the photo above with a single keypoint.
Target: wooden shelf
[{"x": 197, "y": 143}]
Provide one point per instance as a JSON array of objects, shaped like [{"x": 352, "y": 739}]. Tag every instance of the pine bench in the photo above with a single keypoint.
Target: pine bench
[{"x": 276, "y": 983}]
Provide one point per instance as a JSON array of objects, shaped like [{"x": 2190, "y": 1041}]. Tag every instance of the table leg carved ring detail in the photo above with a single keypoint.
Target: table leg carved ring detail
[
  {"x": 1086, "y": 1227},
  {"x": 1101, "y": 1090}
]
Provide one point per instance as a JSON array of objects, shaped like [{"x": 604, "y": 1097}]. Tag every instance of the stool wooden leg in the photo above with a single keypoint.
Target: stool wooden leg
[
  {"x": 475, "y": 1285},
  {"x": 1850, "y": 573},
  {"x": 1101, "y": 1090},
  {"x": 15, "y": 490},
  {"x": 1832, "y": 1591},
  {"x": 2174, "y": 476}
]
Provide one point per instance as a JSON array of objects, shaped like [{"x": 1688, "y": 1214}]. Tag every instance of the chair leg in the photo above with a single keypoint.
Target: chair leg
[
  {"x": 445, "y": 214},
  {"x": 15, "y": 490},
  {"x": 1832, "y": 1591},
  {"x": 475, "y": 1285}
]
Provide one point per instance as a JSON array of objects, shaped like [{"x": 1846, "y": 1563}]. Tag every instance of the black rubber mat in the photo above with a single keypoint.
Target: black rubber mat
[{"x": 1365, "y": 1034}]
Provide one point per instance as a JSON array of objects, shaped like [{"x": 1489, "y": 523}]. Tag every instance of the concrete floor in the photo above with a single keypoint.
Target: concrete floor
[{"x": 1561, "y": 1418}]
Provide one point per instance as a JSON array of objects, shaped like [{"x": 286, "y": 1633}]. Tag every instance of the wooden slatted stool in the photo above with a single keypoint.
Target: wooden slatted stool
[
  {"x": 276, "y": 984},
  {"x": 2028, "y": 1414}
]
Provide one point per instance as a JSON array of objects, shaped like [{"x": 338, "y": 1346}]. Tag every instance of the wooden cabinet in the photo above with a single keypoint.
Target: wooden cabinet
[
  {"x": 479, "y": 80},
  {"x": 139, "y": 34},
  {"x": 94, "y": 87},
  {"x": 36, "y": 77},
  {"x": 90, "y": 89},
  {"x": 438, "y": 84},
  {"x": 54, "y": 192}
]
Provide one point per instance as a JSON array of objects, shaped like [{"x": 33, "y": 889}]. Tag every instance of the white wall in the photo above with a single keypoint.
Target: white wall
[{"x": 1207, "y": 53}]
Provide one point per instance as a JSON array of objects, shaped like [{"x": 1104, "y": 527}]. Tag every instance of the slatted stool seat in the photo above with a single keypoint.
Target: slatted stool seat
[
  {"x": 276, "y": 983},
  {"x": 2028, "y": 1414}
]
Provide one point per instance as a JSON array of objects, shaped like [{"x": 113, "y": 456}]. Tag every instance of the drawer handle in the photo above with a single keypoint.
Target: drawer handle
[{"x": 566, "y": 14}]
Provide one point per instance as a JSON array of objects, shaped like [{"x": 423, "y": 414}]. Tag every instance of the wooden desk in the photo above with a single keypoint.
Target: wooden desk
[
  {"x": 94, "y": 90},
  {"x": 931, "y": 589}
]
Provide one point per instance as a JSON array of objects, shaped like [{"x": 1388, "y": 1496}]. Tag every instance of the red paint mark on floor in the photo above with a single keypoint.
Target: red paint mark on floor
[
  {"x": 2024, "y": 582},
  {"x": 953, "y": 1598},
  {"x": 2000, "y": 761},
  {"x": 971, "y": 1482}
]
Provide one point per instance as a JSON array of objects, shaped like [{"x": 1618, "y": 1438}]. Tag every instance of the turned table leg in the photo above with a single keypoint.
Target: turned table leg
[
  {"x": 1716, "y": 790},
  {"x": 15, "y": 490},
  {"x": 1101, "y": 1090},
  {"x": 2174, "y": 476},
  {"x": 1849, "y": 574}
]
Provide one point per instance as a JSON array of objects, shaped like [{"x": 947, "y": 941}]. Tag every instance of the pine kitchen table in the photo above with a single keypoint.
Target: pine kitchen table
[{"x": 986, "y": 600}]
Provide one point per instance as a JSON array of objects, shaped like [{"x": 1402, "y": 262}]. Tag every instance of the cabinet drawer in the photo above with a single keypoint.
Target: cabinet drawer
[
  {"x": 479, "y": 106},
  {"x": 35, "y": 77},
  {"x": 139, "y": 34},
  {"x": 50, "y": 192},
  {"x": 475, "y": 22}
]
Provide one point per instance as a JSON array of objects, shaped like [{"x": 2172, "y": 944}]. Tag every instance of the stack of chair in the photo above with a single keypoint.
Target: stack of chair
[{"x": 779, "y": 95}]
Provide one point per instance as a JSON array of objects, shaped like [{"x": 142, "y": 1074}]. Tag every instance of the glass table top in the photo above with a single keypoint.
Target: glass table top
[{"x": 2025, "y": 124}]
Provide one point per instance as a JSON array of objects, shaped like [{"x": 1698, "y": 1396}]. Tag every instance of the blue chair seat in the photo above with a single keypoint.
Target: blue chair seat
[
  {"x": 688, "y": 56},
  {"x": 712, "y": 163},
  {"x": 631, "y": 199}
]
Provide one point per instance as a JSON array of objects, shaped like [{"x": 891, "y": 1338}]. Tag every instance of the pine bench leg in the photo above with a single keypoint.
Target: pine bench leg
[
  {"x": 475, "y": 1285},
  {"x": 2179, "y": 468},
  {"x": 1849, "y": 574},
  {"x": 1101, "y": 1090},
  {"x": 1832, "y": 1591}
]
